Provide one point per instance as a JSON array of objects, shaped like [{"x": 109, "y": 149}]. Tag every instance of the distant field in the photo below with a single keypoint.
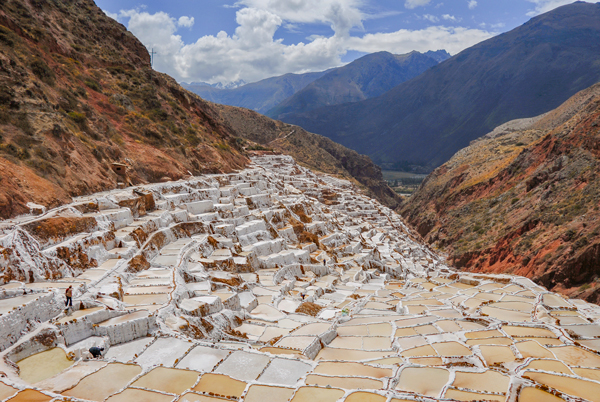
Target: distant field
[{"x": 395, "y": 175}]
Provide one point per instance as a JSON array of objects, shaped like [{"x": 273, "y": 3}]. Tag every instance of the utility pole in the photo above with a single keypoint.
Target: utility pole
[{"x": 152, "y": 53}]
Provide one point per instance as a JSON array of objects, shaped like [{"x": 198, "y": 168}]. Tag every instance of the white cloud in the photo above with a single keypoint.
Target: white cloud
[
  {"x": 542, "y": 6},
  {"x": 449, "y": 17},
  {"x": 341, "y": 15},
  {"x": 185, "y": 21},
  {"x": 111, "y": 15},
  {"x": 451, "y": 39},
  {"x": 472, "y": 4},
  {"x": 410, "y": 4},
  {"x": 252, "y": 53},
  {"x": 431, "y": 18}
]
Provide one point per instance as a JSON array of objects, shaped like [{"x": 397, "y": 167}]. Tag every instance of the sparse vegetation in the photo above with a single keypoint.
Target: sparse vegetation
[
  {"x": 258, "y": 147},
  {"x": 42, "y": 71},
  {"x": 92, "y": 84},
  {"x": 21, "y": 121},
  {"x": 222, "y": 146},
  {"x": 7, "y": 36}
]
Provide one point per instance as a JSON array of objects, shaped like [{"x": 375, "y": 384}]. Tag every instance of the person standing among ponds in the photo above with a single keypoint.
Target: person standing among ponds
[{"x": 69, "y": 295}]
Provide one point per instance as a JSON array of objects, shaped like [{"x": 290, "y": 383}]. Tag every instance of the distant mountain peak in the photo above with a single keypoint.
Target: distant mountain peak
[
  {"x": 438, "y": 55},
  {"x": 218, "y": 85},
  {"x": 366, "y": 77},
  {"x": 229, "y": 85}
]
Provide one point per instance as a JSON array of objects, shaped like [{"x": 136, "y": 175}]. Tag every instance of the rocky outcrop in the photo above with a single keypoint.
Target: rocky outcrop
[{"x": 523, "y": 200}]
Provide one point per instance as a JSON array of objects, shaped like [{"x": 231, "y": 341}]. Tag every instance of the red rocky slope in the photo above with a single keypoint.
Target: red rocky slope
[{"x": 523, "y": 200}]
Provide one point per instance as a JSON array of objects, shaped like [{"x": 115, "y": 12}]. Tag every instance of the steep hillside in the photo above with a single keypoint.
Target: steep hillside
[
  {"x": 260, "y": 96},
  {"x": 522, "y": 73},
  {"x": 311, "y": 150},
  {"x": 77, "y": 94},
  {"x": 364, "y": 78},
  {"x": 523, "y": 200},
  {"x": 79, "y": 101}
]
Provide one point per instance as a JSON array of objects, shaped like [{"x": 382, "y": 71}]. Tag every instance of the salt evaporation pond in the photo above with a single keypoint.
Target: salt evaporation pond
[
  {"x": 43, "y": 365},
  {"x": 220, "y": 293}
]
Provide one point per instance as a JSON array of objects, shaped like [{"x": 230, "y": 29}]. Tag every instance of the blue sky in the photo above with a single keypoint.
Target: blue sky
[{"x": 229, "y": 40}]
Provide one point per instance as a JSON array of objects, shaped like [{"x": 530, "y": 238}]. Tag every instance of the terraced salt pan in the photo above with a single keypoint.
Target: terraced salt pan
[
  {"x": 394, "y": 318},
  {"x": 165, "y": 351},
  {"x": 30, "y": 395},
  {"x": 105, "y": 382},
  {"x": 243, "y": 365},
  {"x": 220, "y": 385},
  {"x": 316, "y": 394},
  {"x": 126, "y": 352},
  {"x": 124, "y": 318},
  {"x": 174, "y": 381},
  {"x": 423, "y": 380},
  {"x": 43, "y": 365},
  {"x": 77, "y": 314},
  {"x": 143, "y": 299},
  {"x": 132, "y": 394},
  {"x": 203, "y": 359},
  {"x": 7, "y": 305},
  {"x": 7, "y": 391},
  {"x": 261, "y": 393},
  {"x": 284, "y": 372}
]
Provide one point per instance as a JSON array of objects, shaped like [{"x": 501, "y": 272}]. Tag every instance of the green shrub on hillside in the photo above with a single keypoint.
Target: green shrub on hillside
[
  {"x": 78, "y": 118},
  {"x": 6, "y": 36},
  {"x": 92, "y": 84},
  {"x": 42, "y": 71}
]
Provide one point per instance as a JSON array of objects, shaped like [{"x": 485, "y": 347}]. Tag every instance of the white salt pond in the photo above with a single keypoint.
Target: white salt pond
[{"x": 228, "y": 299}]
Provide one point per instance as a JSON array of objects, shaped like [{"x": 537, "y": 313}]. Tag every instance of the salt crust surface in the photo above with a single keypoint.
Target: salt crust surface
[{"x": 272, "y": 280}]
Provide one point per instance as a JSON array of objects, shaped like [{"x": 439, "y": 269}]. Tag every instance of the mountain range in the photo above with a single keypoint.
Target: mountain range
[
  {"x": 522, "y": 73},
  {"x": 260, "y": 96},
  {"x": 79, "y": 102},
  {"x": 366, "y": 77}
]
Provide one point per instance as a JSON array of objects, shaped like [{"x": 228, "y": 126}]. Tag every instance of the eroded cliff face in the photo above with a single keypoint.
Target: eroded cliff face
[
  {"x": 77, "y": 94},
  {"x": 523, "y": 200}
]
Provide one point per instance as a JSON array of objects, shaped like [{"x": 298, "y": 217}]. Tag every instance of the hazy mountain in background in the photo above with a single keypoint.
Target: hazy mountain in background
[
  {"x": 219, "y": 85},
  {"x": 259, "y": 96},
  {"x": 364, "y": 78},
  {"x": 522, "y": 73}
]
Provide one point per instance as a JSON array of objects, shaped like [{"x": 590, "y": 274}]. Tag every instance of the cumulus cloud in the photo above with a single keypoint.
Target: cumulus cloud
[
  {"x": 542, "y": 6},
  {"x": 252, "y": 53},
  {"x": 185, "y": 21},
  {"x": 472, "y": 4},
  {"x": 431, "y": 18},
  {"x": 452, "y": 39},
  {"x": 410, "y": 4},
  {"x": 449, "y": 17}
]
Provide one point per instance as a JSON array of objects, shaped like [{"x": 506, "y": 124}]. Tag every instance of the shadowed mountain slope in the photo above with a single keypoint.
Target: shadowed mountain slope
[
  {"x": 523, "y": 200},
  {"x": 522, "y": 73}
]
